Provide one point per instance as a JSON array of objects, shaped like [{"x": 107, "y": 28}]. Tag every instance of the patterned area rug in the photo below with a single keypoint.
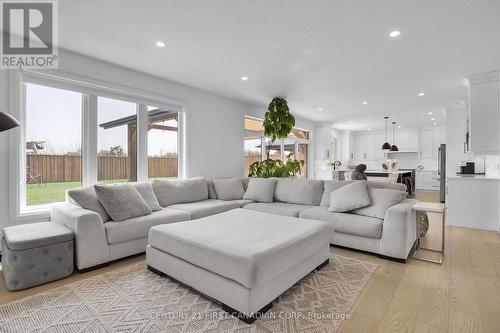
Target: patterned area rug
[{"x": 133, "y": 299}]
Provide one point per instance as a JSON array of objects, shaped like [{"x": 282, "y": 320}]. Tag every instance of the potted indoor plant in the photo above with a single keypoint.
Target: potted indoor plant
[{"x": 278, "y": 123}]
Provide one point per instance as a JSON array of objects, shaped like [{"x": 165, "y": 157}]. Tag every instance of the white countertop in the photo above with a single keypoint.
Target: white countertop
[
  {"x": 472, "y": 177},
  {"x": 387, "y": 172}
]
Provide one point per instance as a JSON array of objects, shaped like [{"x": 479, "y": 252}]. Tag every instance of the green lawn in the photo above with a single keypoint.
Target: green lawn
[{"x": 55, "y": 192}]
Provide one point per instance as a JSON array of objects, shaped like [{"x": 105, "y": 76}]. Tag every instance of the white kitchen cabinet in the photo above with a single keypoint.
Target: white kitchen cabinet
[
  {"x": 367, "y": 146},
  {"x": 473, "y": 203},
  {"x": 438, "y": 138},
  {"x": 430, "y": 140},
  {"x": 427, "y": 180},
  {"x": 484, "y": 110},
  {"x": 377, "y": 141},
  {"x": 406, "y": 139},
  {"x": 426, "y": 143}
]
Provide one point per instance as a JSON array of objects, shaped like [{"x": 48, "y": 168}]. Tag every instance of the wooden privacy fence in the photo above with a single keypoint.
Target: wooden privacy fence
[{"x": 65, "y": 168}]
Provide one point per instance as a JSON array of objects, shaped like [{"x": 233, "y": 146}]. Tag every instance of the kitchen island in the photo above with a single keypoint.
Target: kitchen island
[
  {"x": 386, "y": 175},
  {"x": 404, "y": 176}
]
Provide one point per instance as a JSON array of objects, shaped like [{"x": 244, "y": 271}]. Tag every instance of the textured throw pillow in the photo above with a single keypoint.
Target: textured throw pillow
[
  {"x": 86, "y": 198},
  {"x": 171, "y": 192},
  {"x": 229, "y": 189},
  {"x": 349, "y": 197},
  {"x": 381, "y": 200},
  {"x": 121, "y": 201},
  {"x": 329, "y": 187},
  {"x": 146, "y": 191},
  {"x": 260, "y": 189}
]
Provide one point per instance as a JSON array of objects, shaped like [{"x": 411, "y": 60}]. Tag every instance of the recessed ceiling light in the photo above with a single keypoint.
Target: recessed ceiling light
[
  {"x": 395, "y": 33},
  {"x": 421, "y": 94},
  {"x": 433, "y": 119},
  {"x": 365, "y": 102},
  {"x": 429, "y": 112},
  {"x": 160, "y": 44},
  {"x": 244, "y": 78},
  {"x": 320, "y": 109},
  {"x": 350, "y": 121},
  {"x": 434, "y": 124},
  {"x": 399, "y": 126}
]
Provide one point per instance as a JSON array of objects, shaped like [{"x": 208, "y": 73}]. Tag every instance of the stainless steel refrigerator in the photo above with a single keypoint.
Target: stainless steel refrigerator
[{"x": 442, "y": 172}]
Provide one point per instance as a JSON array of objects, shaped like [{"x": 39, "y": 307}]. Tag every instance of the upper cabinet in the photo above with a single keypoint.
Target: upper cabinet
[
  {"x": 407, "y": 139},
  {"x": 484, "y": 111},
  {"x": 430, "y": 140}
]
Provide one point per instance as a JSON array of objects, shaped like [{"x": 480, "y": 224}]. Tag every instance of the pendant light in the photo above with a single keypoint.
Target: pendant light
[
  {"x": 394, "y": 147},
  {"x": 386, "y": 145},
  {"x": 7, "y": 121}
]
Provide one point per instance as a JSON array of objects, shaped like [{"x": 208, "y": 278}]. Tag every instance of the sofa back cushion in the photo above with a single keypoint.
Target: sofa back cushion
[
  {"x": 121, "y": 201},
  {"x": 146, "y": 191},
  {"x": 381, "y": 199},
  {"x": 349, "y": 197},
  {"x": 260, "y": 189},
  {"x": 299, "y": 191},
  {"x": 171, "y": 192},
  {"x": 86, "y": 198},
  {"x": 329, "y": 187},
  {"x": 229, "y": 189}
]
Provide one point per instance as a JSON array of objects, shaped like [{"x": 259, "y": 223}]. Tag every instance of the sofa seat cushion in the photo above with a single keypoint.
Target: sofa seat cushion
[
  {"x": 206, "y": 207},
  {"x": 347, "y": 223},
  {"x": 242, "y": 202},
  {"x": 278, "y": 208},
  {"x": 117, "y": 232},
  {"x": 248, "y": 247}
]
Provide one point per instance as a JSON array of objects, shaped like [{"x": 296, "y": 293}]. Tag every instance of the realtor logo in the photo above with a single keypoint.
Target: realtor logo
[{"x": 29, "y": 34}]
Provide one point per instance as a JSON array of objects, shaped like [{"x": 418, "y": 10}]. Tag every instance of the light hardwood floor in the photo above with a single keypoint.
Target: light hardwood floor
[{"x": 462, "y": 295}]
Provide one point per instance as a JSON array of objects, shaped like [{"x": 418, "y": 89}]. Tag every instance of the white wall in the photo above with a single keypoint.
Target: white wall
[{"x": 215, "y": 124}]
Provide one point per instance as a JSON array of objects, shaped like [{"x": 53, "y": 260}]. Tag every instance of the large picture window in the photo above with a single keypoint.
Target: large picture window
[
  {"x": 162, "y": 143},
  {"x": 116, "y": 140},
  {"x": 53, "y": 143},
  {"x": 79, "y": 133}
]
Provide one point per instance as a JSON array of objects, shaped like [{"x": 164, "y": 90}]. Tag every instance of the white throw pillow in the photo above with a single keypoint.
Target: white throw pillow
[
  {"x": 229, "y": 189},
  {"x": 349, "y": 197},
  {"x": 381, "y": 200},
  {"x": 260, "y": 189},
  {"x": 121, "y": 201},
  {"x": 146, "y": 191}
]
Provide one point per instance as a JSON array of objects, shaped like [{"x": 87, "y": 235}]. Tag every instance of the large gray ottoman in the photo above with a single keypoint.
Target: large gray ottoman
[
  {"x": 36, "y": 253},
  {"x": 243, "y": 259}
]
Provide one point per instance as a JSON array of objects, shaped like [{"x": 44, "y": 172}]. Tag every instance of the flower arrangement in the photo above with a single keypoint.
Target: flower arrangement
[{"x": 391, "y": 165}]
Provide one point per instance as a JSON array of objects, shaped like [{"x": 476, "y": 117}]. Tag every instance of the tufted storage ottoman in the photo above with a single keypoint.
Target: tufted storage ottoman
[{"x": 36, "y": 253}]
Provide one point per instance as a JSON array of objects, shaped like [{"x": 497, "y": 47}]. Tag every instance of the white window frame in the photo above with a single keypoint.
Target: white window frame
[{"x": 90, "y": 89}]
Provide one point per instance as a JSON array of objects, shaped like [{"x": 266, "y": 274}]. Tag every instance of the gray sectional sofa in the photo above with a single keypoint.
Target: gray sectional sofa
[{"x": 99, "y": 239}]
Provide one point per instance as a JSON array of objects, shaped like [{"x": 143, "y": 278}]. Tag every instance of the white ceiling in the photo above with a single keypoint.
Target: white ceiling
[{"x": 325, "y": 54}]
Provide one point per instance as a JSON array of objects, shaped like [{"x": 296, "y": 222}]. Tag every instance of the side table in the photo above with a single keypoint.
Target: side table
[{"x": 431, "y": 207}]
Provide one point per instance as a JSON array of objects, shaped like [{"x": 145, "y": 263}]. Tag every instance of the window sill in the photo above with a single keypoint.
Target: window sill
[{"x": 33, "y": 214}]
